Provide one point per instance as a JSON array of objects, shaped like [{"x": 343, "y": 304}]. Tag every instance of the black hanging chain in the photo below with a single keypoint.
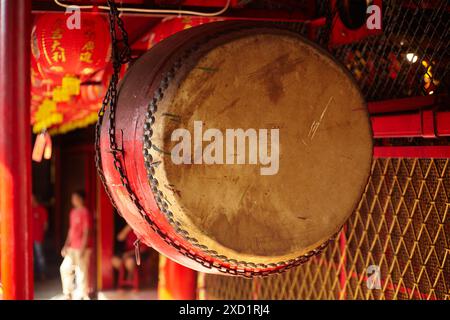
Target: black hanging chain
[{"x": 120, "y": 55}]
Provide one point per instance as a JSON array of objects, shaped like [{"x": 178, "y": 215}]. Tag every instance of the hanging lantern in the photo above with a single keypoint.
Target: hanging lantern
[
  {"x": 172, "y": 25},
  {"x": 60, "y": 94},
  {"x": 74, "y": 116},
  {"x": 65, "y": 51},
  {"x": 92, "y": 93},
  {"x": 71, "y": 84},
  {"x": 231, "y": 210},
  {"x": 41, "y": 85},
  {"x": 36, "y": 76},
  {"x": 74, "y": 121}
]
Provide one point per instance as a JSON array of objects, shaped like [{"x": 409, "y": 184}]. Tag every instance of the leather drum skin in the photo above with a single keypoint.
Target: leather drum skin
[{"x": 246, "y": 148}]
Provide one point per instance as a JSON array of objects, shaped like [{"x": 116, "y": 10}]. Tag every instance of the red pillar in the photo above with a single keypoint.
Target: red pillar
[
  {"x": 176, "y": 282},
  {"x": 15, "y": 150},
  {"x": 105, "y": 238}
]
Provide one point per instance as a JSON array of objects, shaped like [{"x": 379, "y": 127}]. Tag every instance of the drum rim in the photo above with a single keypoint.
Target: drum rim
[{"x": 148, "y": 159}]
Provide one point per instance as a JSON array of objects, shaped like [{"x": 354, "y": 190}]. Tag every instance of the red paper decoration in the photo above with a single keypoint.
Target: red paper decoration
[{"x": 63, "y": 51}]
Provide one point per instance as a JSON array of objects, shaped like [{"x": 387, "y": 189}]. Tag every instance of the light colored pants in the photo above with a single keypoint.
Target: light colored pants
[
  {"x": 39, "y": 258},
  {"x": 75, "y": 270}
]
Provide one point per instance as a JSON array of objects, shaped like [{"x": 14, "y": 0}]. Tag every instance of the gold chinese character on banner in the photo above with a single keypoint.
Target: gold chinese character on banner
[
  {"x": 89, "y": 46},
  {"x": 59, "y": 56},
  {"x": 86, "y": 57},
  {"x": 57, "y": 34}
]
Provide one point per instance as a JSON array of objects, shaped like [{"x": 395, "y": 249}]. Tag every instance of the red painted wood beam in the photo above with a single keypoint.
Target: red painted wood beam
[
  {"x": 401, "y": 105},
  {"x": 420, "y": 124},
  {"x": 15, "y": 150},
  {"x": 435, "y": 152}
]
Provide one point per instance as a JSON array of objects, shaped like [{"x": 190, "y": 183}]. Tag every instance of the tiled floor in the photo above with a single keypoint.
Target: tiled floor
[
  {"x": 46, "y": 290},
  {"x": 51, "y": 290},
  {"x": 146, "y": 294}
]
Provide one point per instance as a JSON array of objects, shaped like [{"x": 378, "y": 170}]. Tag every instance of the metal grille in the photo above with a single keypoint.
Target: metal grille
[
  {"x": 420, "y": 28},
  {"x": 401, "y": 228},
  {"x": 380, "y": 64}
]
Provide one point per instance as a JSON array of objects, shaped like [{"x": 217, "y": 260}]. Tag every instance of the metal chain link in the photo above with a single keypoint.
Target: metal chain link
[{"x": 118, "y": 59}]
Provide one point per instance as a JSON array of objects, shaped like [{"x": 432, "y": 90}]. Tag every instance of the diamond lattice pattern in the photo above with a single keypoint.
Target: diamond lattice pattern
[{"x": 395, "y": 246}]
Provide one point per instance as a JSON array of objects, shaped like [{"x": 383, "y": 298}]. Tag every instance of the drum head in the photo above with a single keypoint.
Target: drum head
[{"x": 301, "y": 187}]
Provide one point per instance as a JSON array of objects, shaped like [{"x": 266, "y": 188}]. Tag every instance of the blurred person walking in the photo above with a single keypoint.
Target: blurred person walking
[{"x": 77, "y": 250}]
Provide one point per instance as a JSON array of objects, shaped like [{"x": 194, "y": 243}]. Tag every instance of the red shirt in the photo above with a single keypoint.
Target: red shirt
[
  {"x": 40, "y": 217},
  {"x": 80, "y": 220}
]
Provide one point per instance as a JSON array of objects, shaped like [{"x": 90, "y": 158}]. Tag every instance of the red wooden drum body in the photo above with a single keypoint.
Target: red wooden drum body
[{"x": 143, "y": 197}]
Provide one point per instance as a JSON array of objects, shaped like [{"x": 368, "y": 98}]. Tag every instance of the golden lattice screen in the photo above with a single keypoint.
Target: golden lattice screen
[{"x": 401, "y": 228}]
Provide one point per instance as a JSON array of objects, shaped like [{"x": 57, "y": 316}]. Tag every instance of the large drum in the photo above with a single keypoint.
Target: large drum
[{"x": 241, "y": 148}]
